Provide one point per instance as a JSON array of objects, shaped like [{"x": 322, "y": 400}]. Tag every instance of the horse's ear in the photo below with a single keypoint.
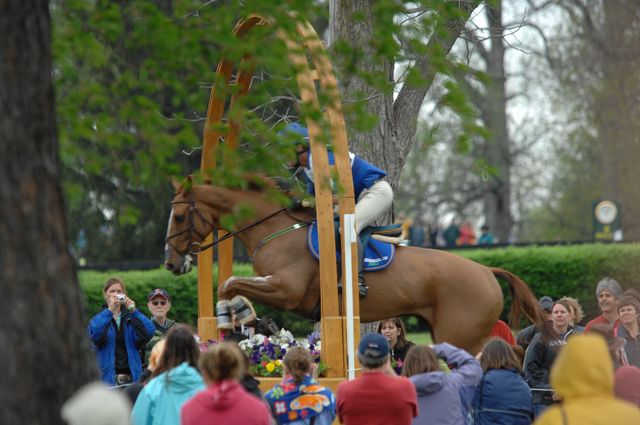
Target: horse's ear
[
  {"x": 176, "y": 184},
  {"x": 187, "y": 184},
  {"x": 182, "y": 186}
]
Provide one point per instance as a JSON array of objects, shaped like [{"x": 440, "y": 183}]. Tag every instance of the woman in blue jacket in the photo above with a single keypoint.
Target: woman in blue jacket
[
  {"x": 119, "y": 334},
  {"x": 502, "y": 397}
]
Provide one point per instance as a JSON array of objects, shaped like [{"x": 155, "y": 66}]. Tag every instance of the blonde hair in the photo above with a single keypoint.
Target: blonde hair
[
  {"x": 222, "y": 362},
  {"x": 576, "y": 309},
  {"x": 156, "y": 354}
]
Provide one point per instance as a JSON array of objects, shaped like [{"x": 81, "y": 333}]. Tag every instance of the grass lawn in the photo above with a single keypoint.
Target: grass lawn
[{"x": 422, "y": 338}]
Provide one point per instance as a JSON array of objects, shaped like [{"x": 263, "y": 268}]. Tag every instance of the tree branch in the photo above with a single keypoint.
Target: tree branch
[{"x": 410, "y": 98}]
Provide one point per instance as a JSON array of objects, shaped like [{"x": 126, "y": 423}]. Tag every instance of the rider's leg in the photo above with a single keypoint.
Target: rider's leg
[
  {"x": 362, "y": 288},
  {"x": 371, "y": 204}
]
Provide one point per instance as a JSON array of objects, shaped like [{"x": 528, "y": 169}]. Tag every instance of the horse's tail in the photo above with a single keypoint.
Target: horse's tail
[{"x": 522, "y": 298}]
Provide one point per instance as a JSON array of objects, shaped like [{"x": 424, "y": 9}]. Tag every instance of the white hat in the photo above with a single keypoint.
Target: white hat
[{"x": 95, "y": 404}]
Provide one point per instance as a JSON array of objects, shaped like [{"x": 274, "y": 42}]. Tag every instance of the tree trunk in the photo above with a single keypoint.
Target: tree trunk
[
  {"x": 45, "y": 352},
  {"x": 616, "y": 110},
  {"x": 497, "y": 198},
  {"x": 388, "y": 143}
]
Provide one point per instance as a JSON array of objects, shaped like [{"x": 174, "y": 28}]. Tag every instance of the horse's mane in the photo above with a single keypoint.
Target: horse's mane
[{"x": 258, "y": 182}]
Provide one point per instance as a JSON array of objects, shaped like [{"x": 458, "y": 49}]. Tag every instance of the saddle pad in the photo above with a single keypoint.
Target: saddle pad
[{"x": 377, "y": 255}]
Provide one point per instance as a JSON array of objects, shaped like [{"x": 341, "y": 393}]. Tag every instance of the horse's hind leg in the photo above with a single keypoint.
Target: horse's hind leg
[
  {"x": 465, "y": 325},
  {"x": 469, "y": 336}
]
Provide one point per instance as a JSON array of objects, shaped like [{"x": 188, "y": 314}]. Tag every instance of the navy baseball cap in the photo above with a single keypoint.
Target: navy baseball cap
[
  {"x": 373, "y": 345},
  {"x": 159, "y": 293},
  {"x": 546, "y": 302}
]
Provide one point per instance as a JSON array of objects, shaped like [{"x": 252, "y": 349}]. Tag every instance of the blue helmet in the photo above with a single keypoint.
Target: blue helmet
[{"x": 299, "y": 133}]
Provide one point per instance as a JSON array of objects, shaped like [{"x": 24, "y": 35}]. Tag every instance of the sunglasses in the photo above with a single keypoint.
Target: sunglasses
[{"x": 156, "y": 303}]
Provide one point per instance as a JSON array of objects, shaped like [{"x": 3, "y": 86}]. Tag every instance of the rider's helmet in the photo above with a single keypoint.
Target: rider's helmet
[{"x": 298, "y": 135}]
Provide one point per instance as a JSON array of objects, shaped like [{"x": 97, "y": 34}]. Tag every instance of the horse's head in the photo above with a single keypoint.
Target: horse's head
[{"x": 186, "y": 230}]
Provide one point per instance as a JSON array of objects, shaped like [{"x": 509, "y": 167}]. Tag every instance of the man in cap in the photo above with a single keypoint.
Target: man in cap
[
  {"x": 608, "y": 292},
  {"x": 526, "y": 335},
  {"x": 159, "y": 304},
  {"x": 377, "y": 396}
]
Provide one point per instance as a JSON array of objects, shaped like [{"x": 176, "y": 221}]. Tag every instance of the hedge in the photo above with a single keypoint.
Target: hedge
[
  {"x": 560, "y": 271},
  {"x": 555, "y": 271}
]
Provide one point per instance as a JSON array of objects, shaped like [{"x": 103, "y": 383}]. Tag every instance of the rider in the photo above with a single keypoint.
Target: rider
[{"x": 373, "y": 194}]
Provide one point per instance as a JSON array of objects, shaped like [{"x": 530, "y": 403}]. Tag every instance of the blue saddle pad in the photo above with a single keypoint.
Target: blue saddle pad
[{"x": 377, "y": 255}]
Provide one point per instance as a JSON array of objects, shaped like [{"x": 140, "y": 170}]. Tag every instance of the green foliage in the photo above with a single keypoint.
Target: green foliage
[
  {"x": 133, "y": 81},
  {"x": 184, "y": 294}
]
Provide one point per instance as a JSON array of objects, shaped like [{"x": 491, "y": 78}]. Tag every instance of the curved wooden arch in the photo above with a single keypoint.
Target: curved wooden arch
[{"x": 306, "y": 52}]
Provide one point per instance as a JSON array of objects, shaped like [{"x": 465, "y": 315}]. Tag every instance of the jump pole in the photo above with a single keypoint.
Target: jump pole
[{"x": 337, "y": 331}]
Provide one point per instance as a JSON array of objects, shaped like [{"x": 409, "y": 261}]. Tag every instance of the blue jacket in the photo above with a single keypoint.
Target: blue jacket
[
  {"x": 138, "y": 330},
  {"x": 364, "y": 174},
  {"x": 502, "y": 398},
  {"x": 160, "y": 401},
  {"x": 445, "y": 398}
]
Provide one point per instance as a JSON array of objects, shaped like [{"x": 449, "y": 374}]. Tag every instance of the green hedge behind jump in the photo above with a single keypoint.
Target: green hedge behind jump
[{"x": 555, "y": 271}]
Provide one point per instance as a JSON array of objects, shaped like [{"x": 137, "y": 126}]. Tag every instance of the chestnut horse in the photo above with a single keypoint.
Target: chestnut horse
[{"x": 460, "y": 299}]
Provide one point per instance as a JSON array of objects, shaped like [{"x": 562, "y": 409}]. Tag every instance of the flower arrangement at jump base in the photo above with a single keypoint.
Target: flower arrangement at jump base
[{"x": 265, "y": 353}]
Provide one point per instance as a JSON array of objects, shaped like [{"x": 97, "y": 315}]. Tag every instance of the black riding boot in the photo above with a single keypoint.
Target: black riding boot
[{"x": 362, "y": 288}]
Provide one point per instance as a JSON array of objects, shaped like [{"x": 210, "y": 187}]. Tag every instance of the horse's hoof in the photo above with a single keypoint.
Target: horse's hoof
[
  {"x": 243, "y": 309},
  {"x": 223, "y": 314}
]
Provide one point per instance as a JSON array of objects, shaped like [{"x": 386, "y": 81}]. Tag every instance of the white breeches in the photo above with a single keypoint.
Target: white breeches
[{"x": 372, "y": 203}]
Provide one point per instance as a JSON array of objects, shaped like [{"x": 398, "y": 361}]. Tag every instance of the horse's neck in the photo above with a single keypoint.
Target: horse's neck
[{"x": 223, "y": 200}]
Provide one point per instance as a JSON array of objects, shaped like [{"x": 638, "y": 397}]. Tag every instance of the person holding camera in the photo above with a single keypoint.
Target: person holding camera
[{"x": 118, "y": 333}]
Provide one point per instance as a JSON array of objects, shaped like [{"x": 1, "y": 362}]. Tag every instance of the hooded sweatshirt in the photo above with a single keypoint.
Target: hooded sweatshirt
[
  {"x": 583, "y": 375},
  {"x": 160, "y": 400},
  {"x": 445, "y": 398},
  {"x": 627, "y": 384},
  {"x": 226, "y": 403}
]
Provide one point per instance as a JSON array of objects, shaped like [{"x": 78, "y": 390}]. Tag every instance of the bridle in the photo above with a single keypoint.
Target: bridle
[{"x": 195, "y": 247}]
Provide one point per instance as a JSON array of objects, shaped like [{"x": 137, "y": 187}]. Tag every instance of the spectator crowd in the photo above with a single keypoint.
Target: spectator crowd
[{"x": 558, "y": 372}]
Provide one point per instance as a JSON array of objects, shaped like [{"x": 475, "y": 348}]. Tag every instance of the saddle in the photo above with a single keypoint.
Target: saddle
[{"x": 378, "y": 242}]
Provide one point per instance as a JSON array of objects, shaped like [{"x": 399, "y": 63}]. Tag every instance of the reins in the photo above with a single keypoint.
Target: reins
[{"x": 199, "y": 247}]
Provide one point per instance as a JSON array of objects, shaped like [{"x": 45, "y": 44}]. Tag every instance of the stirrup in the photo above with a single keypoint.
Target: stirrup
[{"x": 363, "y": 290}]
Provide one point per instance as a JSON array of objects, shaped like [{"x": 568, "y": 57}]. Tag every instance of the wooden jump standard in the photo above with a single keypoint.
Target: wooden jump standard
[{"x": 307, "y": 53}]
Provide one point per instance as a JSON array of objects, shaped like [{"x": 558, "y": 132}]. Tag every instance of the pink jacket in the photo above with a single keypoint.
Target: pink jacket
[{"x": 225, "y": 403}]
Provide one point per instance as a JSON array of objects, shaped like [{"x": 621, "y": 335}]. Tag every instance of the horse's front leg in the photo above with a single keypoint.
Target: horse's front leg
[{"x": 266, "y": 290}]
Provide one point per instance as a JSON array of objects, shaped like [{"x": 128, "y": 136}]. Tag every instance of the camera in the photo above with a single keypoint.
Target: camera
[{"x": 121, "y": 297}]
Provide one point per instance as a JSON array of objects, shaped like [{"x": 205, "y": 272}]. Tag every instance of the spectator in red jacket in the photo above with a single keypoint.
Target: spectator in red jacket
[
  {"x": 502, "y": 330},
  {"x": 378, "y": 396},
  {"x": 608, "y": 292}
]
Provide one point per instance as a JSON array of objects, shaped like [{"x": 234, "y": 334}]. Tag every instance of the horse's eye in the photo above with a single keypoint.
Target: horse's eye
[{"x": 178, "y": 218}]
